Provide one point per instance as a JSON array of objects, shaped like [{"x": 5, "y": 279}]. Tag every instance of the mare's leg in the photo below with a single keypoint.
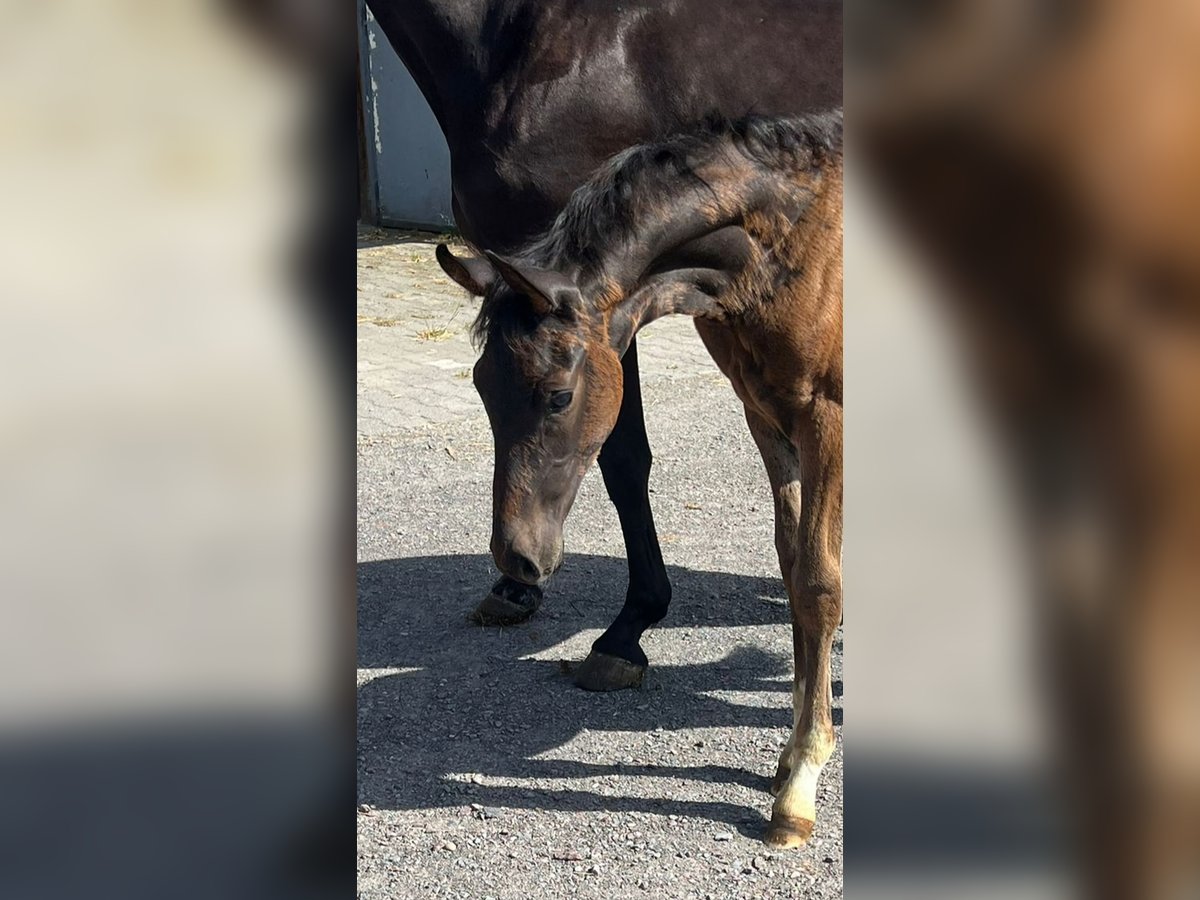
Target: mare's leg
[
  {"x": 815, "y": 594},
  {"x": 783, "y": 469},
  {"x": 617, "y": 660},
  {"x": 508, "y": 603}
]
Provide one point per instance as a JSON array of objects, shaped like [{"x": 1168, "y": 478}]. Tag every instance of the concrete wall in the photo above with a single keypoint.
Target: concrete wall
[{"x": 408, "y": 164}]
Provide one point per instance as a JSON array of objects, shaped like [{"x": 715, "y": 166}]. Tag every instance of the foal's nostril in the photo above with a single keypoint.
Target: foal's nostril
[{"x": 524, "y": 569}]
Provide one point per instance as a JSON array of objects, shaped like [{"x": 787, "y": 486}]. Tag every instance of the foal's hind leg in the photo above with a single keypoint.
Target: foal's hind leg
[
  {"x": 783, "y": 469},
  {"x": 815, "y": 594}
]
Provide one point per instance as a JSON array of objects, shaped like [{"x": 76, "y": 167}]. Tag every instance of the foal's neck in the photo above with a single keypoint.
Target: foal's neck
[
  {"x": 676, "y": 211},
  {"x": 779, "y": 226},
  {"x": 674, "y": 222}
]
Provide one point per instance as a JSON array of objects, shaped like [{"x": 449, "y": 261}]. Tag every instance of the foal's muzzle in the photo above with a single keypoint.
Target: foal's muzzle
[{"x": 521, "y": 560}]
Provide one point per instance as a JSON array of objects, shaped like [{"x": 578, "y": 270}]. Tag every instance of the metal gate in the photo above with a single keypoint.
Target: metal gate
[{"x": 405, "y": 180}]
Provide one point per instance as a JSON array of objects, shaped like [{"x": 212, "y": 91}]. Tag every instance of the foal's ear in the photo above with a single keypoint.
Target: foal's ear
[
  {"x": 548, "y": 291},
  {"x": 471, "y": 272}
]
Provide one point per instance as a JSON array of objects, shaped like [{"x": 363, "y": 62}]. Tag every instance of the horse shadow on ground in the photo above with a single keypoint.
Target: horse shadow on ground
[{"x": 466, "y": 711}]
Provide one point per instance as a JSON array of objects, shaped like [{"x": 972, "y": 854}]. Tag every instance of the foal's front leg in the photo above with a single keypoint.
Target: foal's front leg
[
  {"x": 782, "y": 462},
  {"x": 815, "y": 596}
]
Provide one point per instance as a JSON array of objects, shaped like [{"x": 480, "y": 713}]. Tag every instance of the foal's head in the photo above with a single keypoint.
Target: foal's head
[
  {"x": 659, "y": 228},
  {"x": 551, "y": 384}
]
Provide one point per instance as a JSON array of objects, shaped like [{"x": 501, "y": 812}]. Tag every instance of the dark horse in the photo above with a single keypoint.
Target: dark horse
[
  {"x": 739, "y": 226},
  {"x": 532, "y": 96}
]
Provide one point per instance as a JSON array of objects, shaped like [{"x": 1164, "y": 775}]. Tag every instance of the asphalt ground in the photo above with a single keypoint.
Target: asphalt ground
[{"x": 483, "y": 771}]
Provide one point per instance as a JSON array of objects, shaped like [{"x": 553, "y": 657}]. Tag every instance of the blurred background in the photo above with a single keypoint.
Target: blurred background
[
  {"x": 174, "y": 528},
  {"x": 1023, "y": 501}
]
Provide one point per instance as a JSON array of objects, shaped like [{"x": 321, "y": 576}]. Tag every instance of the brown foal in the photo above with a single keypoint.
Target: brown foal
[{"x": 738, "y": 225}]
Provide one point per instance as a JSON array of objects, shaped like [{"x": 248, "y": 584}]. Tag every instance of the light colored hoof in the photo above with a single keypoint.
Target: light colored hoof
[
  {"x": 785, "y": 832},
  {"x": 601, "y": 672},
  {"x": 495, "y": 609},
  {"x": 781, "y": 776}
]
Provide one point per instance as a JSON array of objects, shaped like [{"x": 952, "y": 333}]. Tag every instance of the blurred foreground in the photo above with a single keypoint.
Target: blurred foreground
[{"x": 1035, "y": 164}]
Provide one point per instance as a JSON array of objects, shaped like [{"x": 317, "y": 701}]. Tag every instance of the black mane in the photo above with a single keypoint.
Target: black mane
[{"x": 605, "y": 210}]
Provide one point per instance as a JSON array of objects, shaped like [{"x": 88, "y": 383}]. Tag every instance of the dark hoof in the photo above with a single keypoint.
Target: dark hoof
[
  {"x": 509, "y": 603},
  {"x": 601, "y": 672},
  {"x": 785, "y": 832}
]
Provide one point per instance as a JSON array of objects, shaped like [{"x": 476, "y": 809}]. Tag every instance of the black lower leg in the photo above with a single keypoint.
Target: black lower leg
[
  {"x": 508, "y": 603},
  {"x": 625, "y": 465}
]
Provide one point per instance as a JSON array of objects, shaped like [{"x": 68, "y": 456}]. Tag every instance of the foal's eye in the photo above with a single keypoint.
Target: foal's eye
[{"x": 559, "y": 400}]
